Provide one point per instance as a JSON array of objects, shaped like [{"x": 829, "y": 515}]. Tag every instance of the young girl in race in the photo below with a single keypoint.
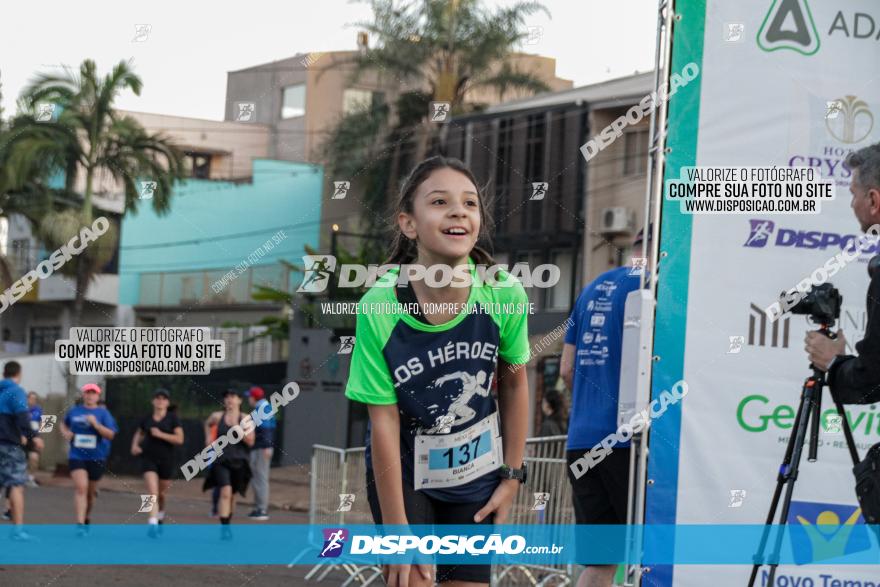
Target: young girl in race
[
  {"x": 154, "y": 442},
  {"x": 439, "y": 450},
  {"x": 231, "y": 471},
  {"x": 88, "y": 428}
]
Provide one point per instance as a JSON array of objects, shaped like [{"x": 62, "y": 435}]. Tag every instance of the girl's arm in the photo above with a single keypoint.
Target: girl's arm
[
  {"x": 513, "y": 405},
  {"x": 385, "y": 443}
]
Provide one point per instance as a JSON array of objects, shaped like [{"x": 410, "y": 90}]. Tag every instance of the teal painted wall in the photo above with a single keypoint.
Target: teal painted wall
[{"x": 283, "y": 196}]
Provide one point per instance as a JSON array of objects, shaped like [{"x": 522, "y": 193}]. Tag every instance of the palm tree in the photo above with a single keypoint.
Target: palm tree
[
  {"x": 447, "y": 49},
  {"x": 31, "y": 198},
  {"x": 90, "y": 143},
  {"x": 278, "y": 326}
]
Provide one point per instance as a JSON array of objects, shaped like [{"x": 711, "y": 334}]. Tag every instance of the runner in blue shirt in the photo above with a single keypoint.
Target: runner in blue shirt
[
  {"x": 34, "y": 445},
  {"x": 590, "y": 366},
  {"x": 14, "y": 433},
  {"x": 89, "y": 428}
]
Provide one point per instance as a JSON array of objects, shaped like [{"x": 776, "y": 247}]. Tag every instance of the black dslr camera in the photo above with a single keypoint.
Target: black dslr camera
[{"x": 822, "y": 304}]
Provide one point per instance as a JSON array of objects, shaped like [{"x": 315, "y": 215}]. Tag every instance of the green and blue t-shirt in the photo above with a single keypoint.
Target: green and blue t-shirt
[{"x": 424, "y": 368}]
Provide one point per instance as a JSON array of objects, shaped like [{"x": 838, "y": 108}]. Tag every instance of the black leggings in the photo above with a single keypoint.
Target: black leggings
[{"x": 423, "y": 510}]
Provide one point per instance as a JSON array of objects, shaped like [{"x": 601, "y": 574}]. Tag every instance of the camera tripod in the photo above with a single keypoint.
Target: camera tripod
[{"x": 808, "y": 415}]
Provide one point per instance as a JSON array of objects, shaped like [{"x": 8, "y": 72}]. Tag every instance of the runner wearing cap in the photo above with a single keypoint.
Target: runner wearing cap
[
  {"x": 231, "y": 471},
  {"x": 154, "y": 442},
  {"x": 261, "y": 453},
  {"x": 89, "y": 428}
]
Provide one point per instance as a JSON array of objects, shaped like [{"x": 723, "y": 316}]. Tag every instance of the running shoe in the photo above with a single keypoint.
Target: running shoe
[
  {"x": 22, "y": 536},
  {"x": 260, "y": 515},
  {"x": 7, "y": 515}
]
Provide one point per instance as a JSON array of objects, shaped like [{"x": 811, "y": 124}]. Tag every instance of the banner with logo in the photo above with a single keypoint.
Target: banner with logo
[{"x": 787, "y": 83}]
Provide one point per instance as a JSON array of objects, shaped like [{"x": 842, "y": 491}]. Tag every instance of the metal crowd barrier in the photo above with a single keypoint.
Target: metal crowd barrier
[
  {"x": 545, "y": 457},
  {"x": 337, "y": 471}
]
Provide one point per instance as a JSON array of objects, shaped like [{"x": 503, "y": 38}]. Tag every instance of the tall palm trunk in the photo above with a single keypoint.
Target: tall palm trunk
[{"x": 83, "y": 276}]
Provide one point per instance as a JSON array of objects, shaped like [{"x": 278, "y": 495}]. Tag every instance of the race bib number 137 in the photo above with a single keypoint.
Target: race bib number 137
[{"x": 450, "y": 460}]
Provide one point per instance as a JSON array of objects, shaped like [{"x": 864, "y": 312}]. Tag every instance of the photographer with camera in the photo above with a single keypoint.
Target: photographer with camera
[{"x": 856, "y": 379}]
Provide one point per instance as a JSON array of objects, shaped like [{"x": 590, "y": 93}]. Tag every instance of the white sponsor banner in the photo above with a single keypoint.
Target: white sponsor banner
[{"x": 765, "y": 101}]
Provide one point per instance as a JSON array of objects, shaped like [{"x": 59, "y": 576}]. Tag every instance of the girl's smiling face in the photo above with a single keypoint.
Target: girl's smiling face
[{"x": 445, "y": 218}]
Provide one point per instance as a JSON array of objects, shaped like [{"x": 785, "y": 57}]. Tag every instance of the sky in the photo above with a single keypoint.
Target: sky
[{"x": 192, "y": 44}]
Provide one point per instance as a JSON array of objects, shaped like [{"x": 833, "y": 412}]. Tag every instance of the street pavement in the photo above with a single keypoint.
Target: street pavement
[{"x": 54, "y": 505}]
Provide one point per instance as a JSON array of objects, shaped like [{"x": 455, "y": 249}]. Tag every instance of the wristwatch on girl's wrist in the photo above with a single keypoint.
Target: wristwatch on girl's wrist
[{"x": 506, "y": 472}]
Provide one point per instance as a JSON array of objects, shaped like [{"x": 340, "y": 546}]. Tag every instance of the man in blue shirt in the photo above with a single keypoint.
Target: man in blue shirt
[
  {"x": 261, "y": 453},
  {"x": 15, "y": 430},
  {"x": 590, "y": 366}
]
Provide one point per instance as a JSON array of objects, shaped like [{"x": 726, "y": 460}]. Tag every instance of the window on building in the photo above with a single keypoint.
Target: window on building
[
  {"x": 22, "y": 255},
  {"x": 233, "y": 338},
  {"x": 559, "y": 296},
  {"x": 533, "y": 215},
  {"x": 354, "y": 100},
  {"x": 502, "y": 173},
  {"x": 198, "y": 165},
  {"x": 259, "y": 349},
  {"x": 635, "y": 150},
  {"x": 293, "y": 101},
  {"x": 530, "y": 260},
  {"x": 43, "y": 339}
]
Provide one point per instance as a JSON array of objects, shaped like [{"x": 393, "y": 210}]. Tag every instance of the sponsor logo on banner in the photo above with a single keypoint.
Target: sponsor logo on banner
[
  {"x": 758, "y": 329},
  {"x": 789, "y": 25},
  {"x": 334, "y": 542},
  {"x": 764, "y": 232},
  {"x": 821, "y": 531},
  {"x": 854, "y": 120},
  {"x": 759, "y": 233},
  {"x": 756, "y": 413},
  {"x": 851, "y": 123}
]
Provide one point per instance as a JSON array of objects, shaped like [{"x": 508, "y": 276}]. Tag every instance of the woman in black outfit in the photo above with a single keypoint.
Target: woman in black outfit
[
  {"x": 154, "y": 442},
  {"x": 231, "y": 471}
]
